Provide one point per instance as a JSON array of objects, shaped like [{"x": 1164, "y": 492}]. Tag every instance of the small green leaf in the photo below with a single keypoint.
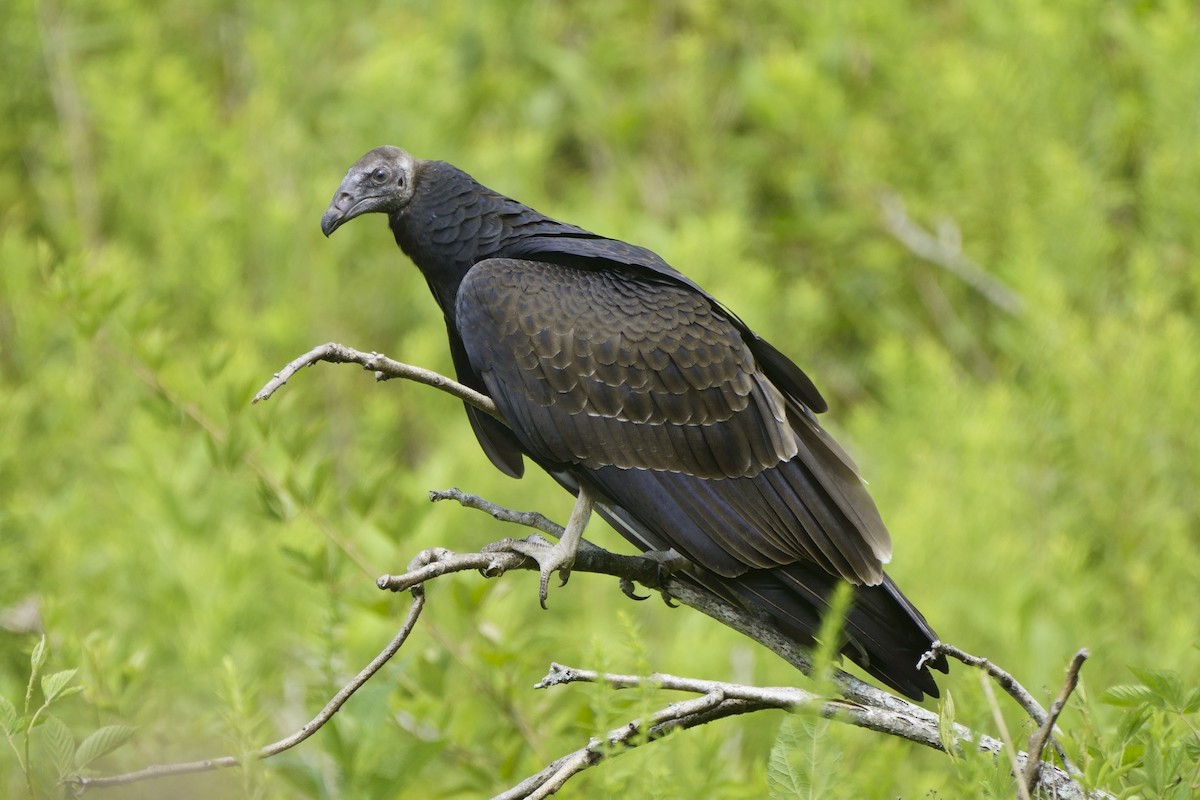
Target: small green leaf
[
  {"x": 53, "y": 685},
  {"x": 804, "y": 762},
  {"x": 946, "y": 727},
  {"x": 1133, "y": 722},
  {"x": 274, "y": 502},
  {"x": 785, "y": 775},
  {"x": 38, "y": 658},
  {"x": 1191, "y": 747},
  {"x": 319, "y": 479},
  {"x": 60, "y": 744},
  {"x": 1132, "y": 754},
  {"x": 1165, "y": 684},
  {"x": 1127, "y": 695},
  {"x": 102, "y": 742},
  {"x": 8, "y": 716}
]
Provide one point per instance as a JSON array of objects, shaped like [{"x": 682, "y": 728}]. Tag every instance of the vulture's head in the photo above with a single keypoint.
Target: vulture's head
[{"x": 381, "y": 181}]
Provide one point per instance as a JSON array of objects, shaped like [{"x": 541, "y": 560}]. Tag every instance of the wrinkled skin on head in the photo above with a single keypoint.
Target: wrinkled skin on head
[{"x": 381, "y": 181}]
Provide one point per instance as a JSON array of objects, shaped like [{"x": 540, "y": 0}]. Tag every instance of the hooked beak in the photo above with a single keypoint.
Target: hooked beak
[{"x": 340, "y": 211}]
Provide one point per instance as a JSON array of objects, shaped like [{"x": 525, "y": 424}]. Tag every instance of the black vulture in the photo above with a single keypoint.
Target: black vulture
[{"x": 652, "y": 403}]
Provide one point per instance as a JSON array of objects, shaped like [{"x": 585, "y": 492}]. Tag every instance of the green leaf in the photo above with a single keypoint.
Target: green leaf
[
  {"x": 946, "y": 727},
  {"x": 1133, "y": 722},
  {"x": 8, "y": 716},
  {"x": 37, "y": 659},
  {"x": 1165, "y": 684},
  {"x": 804, "y": 762},
  {"x": 274, "y": 503},
  {"x": 53, "y": 685},
  {"x": 785, "y": 777},
  {"x": 1191, "y": 748},
  {"x": 102, "y": 742},
  {"x": 60, "y": 744},
  {"x": 1127, "y": 695}
]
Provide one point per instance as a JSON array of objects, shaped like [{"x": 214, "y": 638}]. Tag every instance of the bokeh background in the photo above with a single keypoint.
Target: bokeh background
[{"x": 975, "y": 224}]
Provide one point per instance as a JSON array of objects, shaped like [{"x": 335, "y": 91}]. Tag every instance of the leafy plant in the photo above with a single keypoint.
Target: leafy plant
[
  {"x": 1156, "y": 744},
  {"x": 46, "y": 751}
]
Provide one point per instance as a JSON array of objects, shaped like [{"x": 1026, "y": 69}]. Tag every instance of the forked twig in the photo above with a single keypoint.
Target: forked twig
[
  {"x": 315, "y": 724},
  {"x": 1043, "y": 734},
  {"x": 384, "y": 369},
  {"x": 1014, "y": 689}
]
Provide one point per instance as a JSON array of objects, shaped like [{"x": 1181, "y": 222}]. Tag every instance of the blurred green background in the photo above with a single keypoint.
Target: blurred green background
[{"x": 208, "y": 565}]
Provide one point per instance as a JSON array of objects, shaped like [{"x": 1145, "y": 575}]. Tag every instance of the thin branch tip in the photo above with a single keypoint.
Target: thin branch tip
[{"x": 381, "y": 365}]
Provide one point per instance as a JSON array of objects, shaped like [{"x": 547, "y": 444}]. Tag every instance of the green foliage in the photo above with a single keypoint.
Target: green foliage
[
  {"x": 1156, "y": 744},
  {"x": 44, "y": 749},
  {"x": 802, "y": 764},
  {"x": 206, "y": 567}
]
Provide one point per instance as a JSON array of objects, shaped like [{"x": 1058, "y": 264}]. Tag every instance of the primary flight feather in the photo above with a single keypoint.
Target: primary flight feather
[{"x": 644, "y": 396}]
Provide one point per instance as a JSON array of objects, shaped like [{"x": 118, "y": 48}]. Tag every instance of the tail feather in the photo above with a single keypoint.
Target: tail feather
[{"x": 883, "y": 632}]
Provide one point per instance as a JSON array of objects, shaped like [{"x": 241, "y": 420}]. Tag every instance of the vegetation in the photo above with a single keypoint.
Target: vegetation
[{"x": 204, "y": 568}]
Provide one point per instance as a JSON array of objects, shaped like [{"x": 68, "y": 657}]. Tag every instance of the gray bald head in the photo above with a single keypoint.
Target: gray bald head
[{"x": 381, "y": 181}]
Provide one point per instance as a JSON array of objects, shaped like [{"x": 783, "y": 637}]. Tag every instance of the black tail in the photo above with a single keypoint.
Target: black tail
[{"x": 883, "y": 632}]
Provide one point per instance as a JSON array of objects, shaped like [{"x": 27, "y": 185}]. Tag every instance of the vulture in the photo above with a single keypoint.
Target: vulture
[{"x": 652, "y": 403}]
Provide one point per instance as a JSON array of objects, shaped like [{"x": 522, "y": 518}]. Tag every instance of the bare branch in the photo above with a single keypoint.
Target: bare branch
[
  {"x": 384, "y": 369},
  {"x": 1010, "y": 685},
  {"x": 868, "y": 707},
  {"x": 1042, "y": 734},
  {"x": 719, "y": 700},
  {"x": 493, "y": 562},
  {"x": 945, "y": 251},
  {"x": 1006, "y": 682},
  {"x": 317, "y": 722}
]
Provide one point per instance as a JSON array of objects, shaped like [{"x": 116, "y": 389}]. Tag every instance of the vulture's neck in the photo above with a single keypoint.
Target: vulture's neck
[{"x": 454, "y": 222}]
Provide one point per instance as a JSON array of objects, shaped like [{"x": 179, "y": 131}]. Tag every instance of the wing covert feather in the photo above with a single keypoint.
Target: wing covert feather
[
  {"x": 599, "y": 359},
  {"x": 652, "y": 389}
]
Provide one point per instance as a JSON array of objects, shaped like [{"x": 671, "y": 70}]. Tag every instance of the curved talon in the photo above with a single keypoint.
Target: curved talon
[
  {"x": 551, "y": 558},
  {"x": 628, "y": 590},
  {"x": 666, "y": 598}
]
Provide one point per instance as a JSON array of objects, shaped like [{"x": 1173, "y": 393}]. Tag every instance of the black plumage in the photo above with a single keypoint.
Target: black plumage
[{"x": 631, "y": 385}]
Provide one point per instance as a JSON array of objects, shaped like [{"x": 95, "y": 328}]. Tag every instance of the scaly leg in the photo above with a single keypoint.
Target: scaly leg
[{"x": 561, "y": 556}]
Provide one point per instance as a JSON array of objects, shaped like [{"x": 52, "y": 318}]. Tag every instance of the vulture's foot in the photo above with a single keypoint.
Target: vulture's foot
[
  {"x": 669, "y": 562},
  {"x": 558, "y": 557},
  {"x": 550, "y": 558}
]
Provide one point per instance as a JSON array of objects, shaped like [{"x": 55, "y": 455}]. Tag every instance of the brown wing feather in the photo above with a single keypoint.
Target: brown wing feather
[
  {"x": 618, "y": 356},
  {"x": 602, "y": 369}
]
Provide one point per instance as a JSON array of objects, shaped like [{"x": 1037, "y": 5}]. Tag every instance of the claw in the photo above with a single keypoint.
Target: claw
[
  {"x": 669, "y": 562},
  {"x": 630, "y": 592},
  {"x": 559, "y": 557}
]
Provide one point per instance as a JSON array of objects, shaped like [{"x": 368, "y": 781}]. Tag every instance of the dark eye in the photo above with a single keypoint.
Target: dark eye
[{"x": 379, "y": 175}]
